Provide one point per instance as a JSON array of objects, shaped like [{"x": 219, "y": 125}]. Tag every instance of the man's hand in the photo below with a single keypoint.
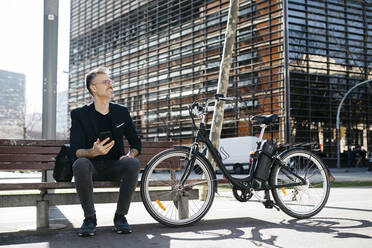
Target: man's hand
[
  {"x": 131, "y": 154},
  {"x": 102, "y": 148}
]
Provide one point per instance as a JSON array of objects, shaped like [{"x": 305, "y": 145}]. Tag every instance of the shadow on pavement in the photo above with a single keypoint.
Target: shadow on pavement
[
  {"x": 58, "y": 218},
  {"x": 155, "y": 235}
]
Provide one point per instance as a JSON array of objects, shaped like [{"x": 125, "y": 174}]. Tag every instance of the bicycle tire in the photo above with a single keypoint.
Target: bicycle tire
[
  {"x": 161, "y": 195},
  {"x": 291, "y": 200}
]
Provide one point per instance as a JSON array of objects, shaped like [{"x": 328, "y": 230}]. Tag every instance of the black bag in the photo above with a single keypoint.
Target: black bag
[{"x": 63, "y": 165}]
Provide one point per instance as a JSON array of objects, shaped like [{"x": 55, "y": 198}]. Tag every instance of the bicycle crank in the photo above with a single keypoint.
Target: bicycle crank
[{"x": 241, "y": 194}]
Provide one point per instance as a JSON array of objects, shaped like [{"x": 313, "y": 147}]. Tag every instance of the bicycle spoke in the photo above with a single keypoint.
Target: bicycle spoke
[
  {"x": 195, "y": 183},
  {"x": 307, "y": 199},
  {"x": 306, "y": 166},
  {"x": 313, "y": 174},
  {"x": 166, "y": 211}
]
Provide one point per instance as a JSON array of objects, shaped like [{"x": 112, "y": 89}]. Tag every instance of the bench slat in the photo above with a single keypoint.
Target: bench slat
[
  {"x": 153, "y": 150},
  {"x": 69, "y": 185},
  {"x": 29, "y": 150},
  {"x": 12, "y": 142},
  {"x": 149, "y": 144},
  {"x": 26, "y": 158},
  {"x": 38, "y": 166},
  {"x": 22, "y": 150},
  {"x": 34, "y": 166},
  {"x": 143, "y": 158},
  {"x": 53, "y": 185}
]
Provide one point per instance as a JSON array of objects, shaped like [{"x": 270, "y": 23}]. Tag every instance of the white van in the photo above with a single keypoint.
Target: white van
[{"x": 235, "y": 152}]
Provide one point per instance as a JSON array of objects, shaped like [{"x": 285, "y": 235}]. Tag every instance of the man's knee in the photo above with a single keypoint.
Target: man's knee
[
  {"x": 81, "y": 165},
  {"x": 132, "y": 164}
]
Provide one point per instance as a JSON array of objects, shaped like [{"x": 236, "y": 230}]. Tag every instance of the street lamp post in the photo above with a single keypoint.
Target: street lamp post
[{"x": 50, "y": 69}]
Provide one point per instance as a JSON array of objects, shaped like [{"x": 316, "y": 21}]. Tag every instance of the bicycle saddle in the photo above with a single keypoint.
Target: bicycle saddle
[{"x": 265, "y": 119}]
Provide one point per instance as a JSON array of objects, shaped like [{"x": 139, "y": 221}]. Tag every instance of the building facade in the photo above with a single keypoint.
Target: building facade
[
  {"x": 288, "y": 59},
  {"x": 12, "y": 104},
  {"x": 62, "y": 110},
  {"x": 329, "y": 51}
]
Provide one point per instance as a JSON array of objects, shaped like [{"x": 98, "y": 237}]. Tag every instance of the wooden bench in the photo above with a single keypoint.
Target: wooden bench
[{"x": 38, "y": 155}]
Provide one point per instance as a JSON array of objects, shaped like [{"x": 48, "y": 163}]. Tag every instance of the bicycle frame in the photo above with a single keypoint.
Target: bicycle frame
[
  {"x": 240, "y": 183},
  {"x": 188, "y": 184}
]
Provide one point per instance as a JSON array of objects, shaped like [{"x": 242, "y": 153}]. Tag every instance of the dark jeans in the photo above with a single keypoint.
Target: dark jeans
[{"x": 86, "y": 171}]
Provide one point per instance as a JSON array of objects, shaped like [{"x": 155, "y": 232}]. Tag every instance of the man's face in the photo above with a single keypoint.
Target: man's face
[{"x": 102, "y": 86}]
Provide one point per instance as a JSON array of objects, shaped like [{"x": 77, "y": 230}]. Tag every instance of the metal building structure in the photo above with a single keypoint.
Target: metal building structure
[
  {"x": 330, "y": 51},
  {"x": 288, "y": 59}
]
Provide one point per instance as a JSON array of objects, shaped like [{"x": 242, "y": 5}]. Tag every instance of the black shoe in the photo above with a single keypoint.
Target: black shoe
[
  {"x": 89, "y": 227},
  {"x": 121, "y": 225}
]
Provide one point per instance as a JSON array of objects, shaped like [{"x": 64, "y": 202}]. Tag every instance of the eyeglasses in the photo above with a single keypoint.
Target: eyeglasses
[{"x": 107, "y": 82}]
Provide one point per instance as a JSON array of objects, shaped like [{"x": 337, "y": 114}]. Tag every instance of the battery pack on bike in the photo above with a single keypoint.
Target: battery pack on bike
[{"x": 264, "y": 162}]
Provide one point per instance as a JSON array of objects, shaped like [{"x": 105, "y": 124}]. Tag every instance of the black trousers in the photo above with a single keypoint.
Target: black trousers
[{"x": 86, "y": 171}]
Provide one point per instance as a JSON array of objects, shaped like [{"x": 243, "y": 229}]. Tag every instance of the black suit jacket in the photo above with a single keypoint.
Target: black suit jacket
[{"x": 84, "y": 128}]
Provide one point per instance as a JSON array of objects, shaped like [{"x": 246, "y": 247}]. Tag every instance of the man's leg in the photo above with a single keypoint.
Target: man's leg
[
  {"x": 83, "y": 173},
  {"x": 127, "y": 171}
]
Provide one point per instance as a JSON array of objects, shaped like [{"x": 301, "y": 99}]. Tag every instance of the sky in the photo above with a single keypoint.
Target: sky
[{"x": 21, "y": 45}]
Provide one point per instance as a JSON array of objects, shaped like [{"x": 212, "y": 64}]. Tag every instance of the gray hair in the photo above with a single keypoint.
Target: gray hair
[{"x": 93, "y": 73}]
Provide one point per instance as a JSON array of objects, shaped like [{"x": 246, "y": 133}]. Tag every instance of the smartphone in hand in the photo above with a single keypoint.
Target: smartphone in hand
[{"x": 104, "y": 135}]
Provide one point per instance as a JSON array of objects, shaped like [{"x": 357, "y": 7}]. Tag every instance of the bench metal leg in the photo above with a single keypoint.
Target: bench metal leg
[{"x": 42, "y": 214}]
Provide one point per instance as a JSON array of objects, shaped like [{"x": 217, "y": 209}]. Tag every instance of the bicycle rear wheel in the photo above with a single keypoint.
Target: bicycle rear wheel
[
  {"x": 169, "y": 202},
  {"x": 306, "y": 200}
]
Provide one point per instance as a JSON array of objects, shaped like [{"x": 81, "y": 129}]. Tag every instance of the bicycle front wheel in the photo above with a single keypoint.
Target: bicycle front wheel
[
  {"x": 306, "y": 200},
  {"x": 168, "y": 201}
]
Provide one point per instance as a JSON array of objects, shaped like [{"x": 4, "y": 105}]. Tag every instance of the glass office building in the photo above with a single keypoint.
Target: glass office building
[
  {"x": 12, "y": 104},
  {"x": 329, "y": 51},
  {"x": 293, "y": 58}
]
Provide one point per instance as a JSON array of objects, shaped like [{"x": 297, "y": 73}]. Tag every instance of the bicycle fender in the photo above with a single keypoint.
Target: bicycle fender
[{"x": 289, "y": 150}]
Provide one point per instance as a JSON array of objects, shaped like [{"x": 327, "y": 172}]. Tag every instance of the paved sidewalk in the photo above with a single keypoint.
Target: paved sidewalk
[
  {"x": 345, "y": 222},
  {"x": 351, "y": 174}
]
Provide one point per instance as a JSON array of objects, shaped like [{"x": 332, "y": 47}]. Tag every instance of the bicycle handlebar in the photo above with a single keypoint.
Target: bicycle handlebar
[{"x": 196, "y": 109}]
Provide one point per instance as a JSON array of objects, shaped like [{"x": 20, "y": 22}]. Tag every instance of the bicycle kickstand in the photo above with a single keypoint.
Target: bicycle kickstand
[{"x": 268, "y": 203}]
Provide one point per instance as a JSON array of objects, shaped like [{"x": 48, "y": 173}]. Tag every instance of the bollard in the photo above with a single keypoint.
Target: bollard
[{"x": 42, "y": 214}]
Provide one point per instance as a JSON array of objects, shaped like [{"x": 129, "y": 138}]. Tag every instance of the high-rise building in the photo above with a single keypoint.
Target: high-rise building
[
  {"x": 293, "y": 58},
  {"x": 12, "y": 104},
  {"x": 62, "y": 110}
]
